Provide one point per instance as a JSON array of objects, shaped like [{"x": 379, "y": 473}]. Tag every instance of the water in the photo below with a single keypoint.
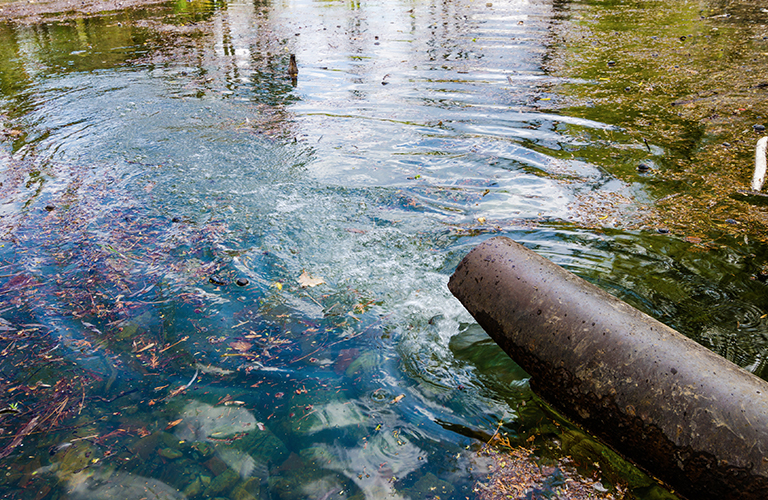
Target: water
[{"x": 168, "y": 191}]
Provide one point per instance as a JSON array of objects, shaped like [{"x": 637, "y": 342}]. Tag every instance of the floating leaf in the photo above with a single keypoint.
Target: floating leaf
[
  {"x": 174, "y": 423},
  {"x": 305, "y": 280}
]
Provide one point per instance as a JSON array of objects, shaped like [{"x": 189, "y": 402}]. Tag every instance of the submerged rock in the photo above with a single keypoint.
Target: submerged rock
[
  {"x": 247, "y": 490},
  {"x": 169, "y": 453},
  {"x": 430, "y": 486},
  {"x": 194, "y": 488},
  {"x": 120, "y": 485},
  {"x": 203, "y": 422},
  {"x": 223, "y": 482}
]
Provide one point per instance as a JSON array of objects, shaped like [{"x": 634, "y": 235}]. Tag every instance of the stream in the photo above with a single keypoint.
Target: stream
[{"x": 220, "y": 281}]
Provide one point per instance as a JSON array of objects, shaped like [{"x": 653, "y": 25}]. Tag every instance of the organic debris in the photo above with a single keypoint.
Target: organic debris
[
  {"x": 307, "y": 281},
  {"x": 689, "y": 109},
  {"x": 517, "y": 474}
]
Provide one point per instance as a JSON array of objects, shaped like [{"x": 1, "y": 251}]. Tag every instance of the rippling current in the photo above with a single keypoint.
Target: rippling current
[{"x": 206, "y": 266}]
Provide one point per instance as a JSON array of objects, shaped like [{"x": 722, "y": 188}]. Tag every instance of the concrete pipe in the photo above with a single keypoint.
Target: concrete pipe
[{"x": 681, "y": 412}]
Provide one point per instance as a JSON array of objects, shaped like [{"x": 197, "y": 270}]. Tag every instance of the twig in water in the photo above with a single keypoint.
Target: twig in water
[
  {"x": 496, "y": 432},
  {"x": 194, "y": 377}
]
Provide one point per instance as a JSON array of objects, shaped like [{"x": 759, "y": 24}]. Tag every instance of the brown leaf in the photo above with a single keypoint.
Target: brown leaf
[
  {"x": 240, "y": 346},
  {"x": 173, "y": 424}
]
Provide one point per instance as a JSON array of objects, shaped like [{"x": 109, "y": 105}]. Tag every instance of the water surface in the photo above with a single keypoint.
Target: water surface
[{"x": 216, "y": 281}]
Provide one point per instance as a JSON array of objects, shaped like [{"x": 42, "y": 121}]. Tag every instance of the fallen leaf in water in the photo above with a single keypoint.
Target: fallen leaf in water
[
  {"x": 398, "y": 398},
  {"x": 240, "y": 346},
  {"x": 305, "y": 280},
  {"x": 173, "y": 424}
]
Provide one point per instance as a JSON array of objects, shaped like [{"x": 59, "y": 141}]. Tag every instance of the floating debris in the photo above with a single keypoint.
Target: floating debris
[{"x": 307, "y": 281}]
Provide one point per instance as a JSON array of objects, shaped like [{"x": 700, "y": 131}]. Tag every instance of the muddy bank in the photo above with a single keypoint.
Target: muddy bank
[{"x": 27, "y": 12}]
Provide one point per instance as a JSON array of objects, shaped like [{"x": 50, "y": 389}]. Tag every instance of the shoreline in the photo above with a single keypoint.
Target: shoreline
[{"x": 28, "y": 12}]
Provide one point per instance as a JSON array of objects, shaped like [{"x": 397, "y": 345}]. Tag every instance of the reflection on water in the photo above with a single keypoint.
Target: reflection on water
[{"x": 166, "y": 186}]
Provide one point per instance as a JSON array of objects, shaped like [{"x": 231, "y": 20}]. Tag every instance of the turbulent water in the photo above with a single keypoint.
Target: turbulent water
[{"x": 219, "y": 281}]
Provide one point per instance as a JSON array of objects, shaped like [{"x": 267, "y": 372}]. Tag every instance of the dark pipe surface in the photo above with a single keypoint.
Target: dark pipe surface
[{"x": 686, "y": 415}]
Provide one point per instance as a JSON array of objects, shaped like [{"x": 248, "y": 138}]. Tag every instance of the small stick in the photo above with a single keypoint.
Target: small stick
[
  {"x": 189, "y": 384},
  {"x": 498, "y": 427}
]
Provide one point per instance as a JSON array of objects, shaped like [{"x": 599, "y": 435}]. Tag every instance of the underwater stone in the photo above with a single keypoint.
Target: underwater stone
[
  {"x": 204, "y": 421},
  {"x": 145, "y": 446},
  {"x": 263, "y": 446},
  {"x": 216, "y": 465},
  {"x": 194, "y": 488},
  {"x": 203, "y": 448},
  {"x": 105, "y": 485},
  {"x": 130, "y": 409},
  {"x": 170, "y": 440},
  {"x": 251, "y": 485},
  {"x": 223, "y": 482},
  {"x": 241, "y": 494},
  {"x": 430, "y": 486},
  {"x": 169, "y": 453},
  {"x": 127, "y": 331}
]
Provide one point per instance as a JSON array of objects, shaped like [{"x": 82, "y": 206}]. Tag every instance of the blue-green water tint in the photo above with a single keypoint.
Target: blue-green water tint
[{"x": 155, "y": 158}]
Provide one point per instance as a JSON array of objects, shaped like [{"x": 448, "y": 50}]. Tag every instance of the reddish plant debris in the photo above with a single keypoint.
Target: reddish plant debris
[{"x": 516, "y": 474}]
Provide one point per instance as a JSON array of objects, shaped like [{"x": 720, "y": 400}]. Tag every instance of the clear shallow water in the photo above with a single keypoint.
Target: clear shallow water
[{"x": 151, "y": 162}]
